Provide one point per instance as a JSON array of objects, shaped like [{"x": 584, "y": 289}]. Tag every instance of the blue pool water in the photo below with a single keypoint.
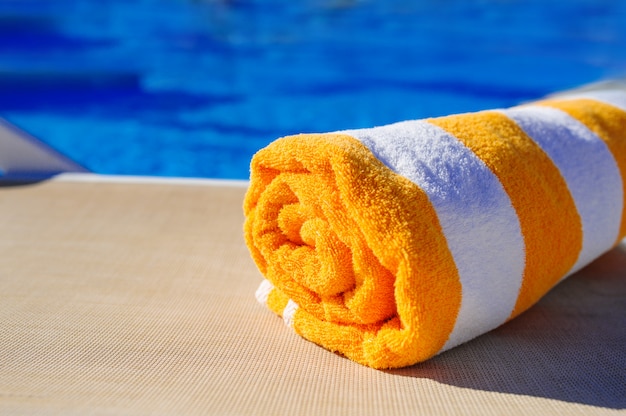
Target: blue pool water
[{"x": 194, "y": 88}]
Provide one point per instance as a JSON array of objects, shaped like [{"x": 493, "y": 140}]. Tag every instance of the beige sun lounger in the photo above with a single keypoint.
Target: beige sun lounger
[{"x": 135, "y": 296}]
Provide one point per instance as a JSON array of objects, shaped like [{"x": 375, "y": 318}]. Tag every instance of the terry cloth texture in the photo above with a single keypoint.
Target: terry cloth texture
[{"x": 392, "y": 244}]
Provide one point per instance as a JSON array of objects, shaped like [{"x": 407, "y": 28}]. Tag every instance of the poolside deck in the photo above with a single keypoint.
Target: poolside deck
[{"x": 136, "y": 296}]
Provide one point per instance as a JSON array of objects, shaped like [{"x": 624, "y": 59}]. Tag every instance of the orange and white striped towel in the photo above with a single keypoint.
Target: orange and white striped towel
[{"x": 392, "y": 244}]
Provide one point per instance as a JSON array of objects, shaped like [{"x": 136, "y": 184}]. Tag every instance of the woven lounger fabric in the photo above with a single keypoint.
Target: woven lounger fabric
[{"x": 392, "y": 244}]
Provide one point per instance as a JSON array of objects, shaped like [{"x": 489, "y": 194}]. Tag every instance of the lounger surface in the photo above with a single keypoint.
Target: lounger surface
[{"x": 136, "y": 297}]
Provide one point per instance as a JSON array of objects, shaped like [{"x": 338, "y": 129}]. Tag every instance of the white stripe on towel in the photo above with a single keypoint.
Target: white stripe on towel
[
  {"x": 289, "y": 312},
  {"x": 263, "y": 292},
  {"x": 616, "y": 98},
  {"x": 481, "y": 226},
  {"x": 589, "y": 169}
]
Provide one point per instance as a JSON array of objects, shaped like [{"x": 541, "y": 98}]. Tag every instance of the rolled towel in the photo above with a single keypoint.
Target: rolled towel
[{"x": 392, "y": 244}]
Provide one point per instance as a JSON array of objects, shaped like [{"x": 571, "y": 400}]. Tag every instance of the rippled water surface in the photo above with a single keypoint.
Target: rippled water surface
[{"x": 194, "y": 88}]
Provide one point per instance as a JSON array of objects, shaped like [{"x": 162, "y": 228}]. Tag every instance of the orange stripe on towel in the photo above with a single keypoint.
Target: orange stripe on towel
[
  {"x": 609, "y": 123},
  {"x": 276, "y": 301},
  {"x": 537, "y": 191},
  {"x": 393, "y": 298}
]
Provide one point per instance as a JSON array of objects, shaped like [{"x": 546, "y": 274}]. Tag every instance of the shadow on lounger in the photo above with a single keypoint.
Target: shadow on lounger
[{"x": 569, "y": 347}]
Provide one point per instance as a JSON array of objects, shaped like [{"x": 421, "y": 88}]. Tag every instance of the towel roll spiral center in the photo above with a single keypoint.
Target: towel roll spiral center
[{"x": 315, "y": 252}]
